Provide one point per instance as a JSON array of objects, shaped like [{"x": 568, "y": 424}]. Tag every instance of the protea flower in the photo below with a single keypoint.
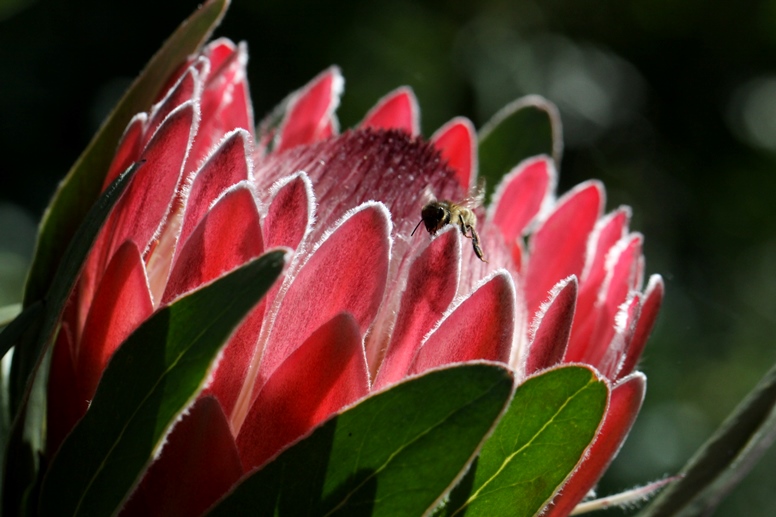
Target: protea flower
[{"x": 362, "y": 303}]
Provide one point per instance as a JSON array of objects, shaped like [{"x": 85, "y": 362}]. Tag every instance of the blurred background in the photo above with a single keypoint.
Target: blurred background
[{"x": 671, "y": 104}]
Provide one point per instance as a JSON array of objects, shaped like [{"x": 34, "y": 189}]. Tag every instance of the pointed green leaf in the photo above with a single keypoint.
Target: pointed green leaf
[
  {"x": 725, "y": 458},
  {"x": 550, "y": 423},
  {"x": 153, "y": 377},
  {"x": 83, "y": 182},
  {"x": 527, "y": 127},
  {"x": 395, "y": 453}
]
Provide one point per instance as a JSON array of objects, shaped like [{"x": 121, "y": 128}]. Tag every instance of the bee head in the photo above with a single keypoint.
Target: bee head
[{"x": 434, "y": 216}]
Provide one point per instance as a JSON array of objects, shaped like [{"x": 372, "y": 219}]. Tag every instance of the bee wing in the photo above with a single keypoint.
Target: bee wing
[{"x": 476, "y": 196}]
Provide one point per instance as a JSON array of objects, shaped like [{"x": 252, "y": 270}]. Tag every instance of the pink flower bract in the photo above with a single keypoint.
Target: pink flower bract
[{"x": 362, "y": 304}]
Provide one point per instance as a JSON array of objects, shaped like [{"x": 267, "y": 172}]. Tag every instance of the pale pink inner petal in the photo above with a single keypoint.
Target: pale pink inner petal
[
  {"x": 653, "y": 298},
  {"x": 397, "y": 110},
  {"x": 481, "y": 327},
  {"x": 457, "y": 141},
  {"x": 225, "y": 106},
  {"x": 553, "y": 327},
  {"x": 431, "y": 286},
  {"x": 622, "y": 272},
  {"x": 290, "y": 213},
  {"x": 289, "y": 220},
  {"x": 557, "y": 248},
  {"x": 613, "y": 357},
  {"x": 148, "y": 198},
  {"x": 625, "y": 275},
  {"x": 227, "y": 166},
  {"x": 228, "y": 236},
  {"x": 323, "y": 375},
  {"x": 520, "y": 195},
  {"x": 346, "y": 273},
  {"x": 609, "y": 230},
  {"x": 309, "y": 116}
]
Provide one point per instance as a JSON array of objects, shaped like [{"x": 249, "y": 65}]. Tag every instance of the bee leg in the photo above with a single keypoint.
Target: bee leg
[
  {"x": 476, "y": 245},
  {"x": 474, "y": 237},
  {"x": 465, "y": 228},
  {"x": 462, "y": 225}
]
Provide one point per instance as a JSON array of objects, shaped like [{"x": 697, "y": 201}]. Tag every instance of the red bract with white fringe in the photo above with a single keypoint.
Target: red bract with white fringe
[{"x": 362, "y": 303}]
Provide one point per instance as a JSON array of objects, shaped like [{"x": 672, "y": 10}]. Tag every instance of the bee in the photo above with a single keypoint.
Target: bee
[{"x": 439, "y": 213}]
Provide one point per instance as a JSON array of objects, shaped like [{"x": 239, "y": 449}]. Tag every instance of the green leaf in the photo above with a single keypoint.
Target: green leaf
[
  {"x": 83, "y": 182},
  {"x": 151, "y": 379},
  {"x": 550, "y": 423},
  {"x": 725, "y": 458},
  {"x": 527, "y": 127},
  {"x": 395, "y": 453}
]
